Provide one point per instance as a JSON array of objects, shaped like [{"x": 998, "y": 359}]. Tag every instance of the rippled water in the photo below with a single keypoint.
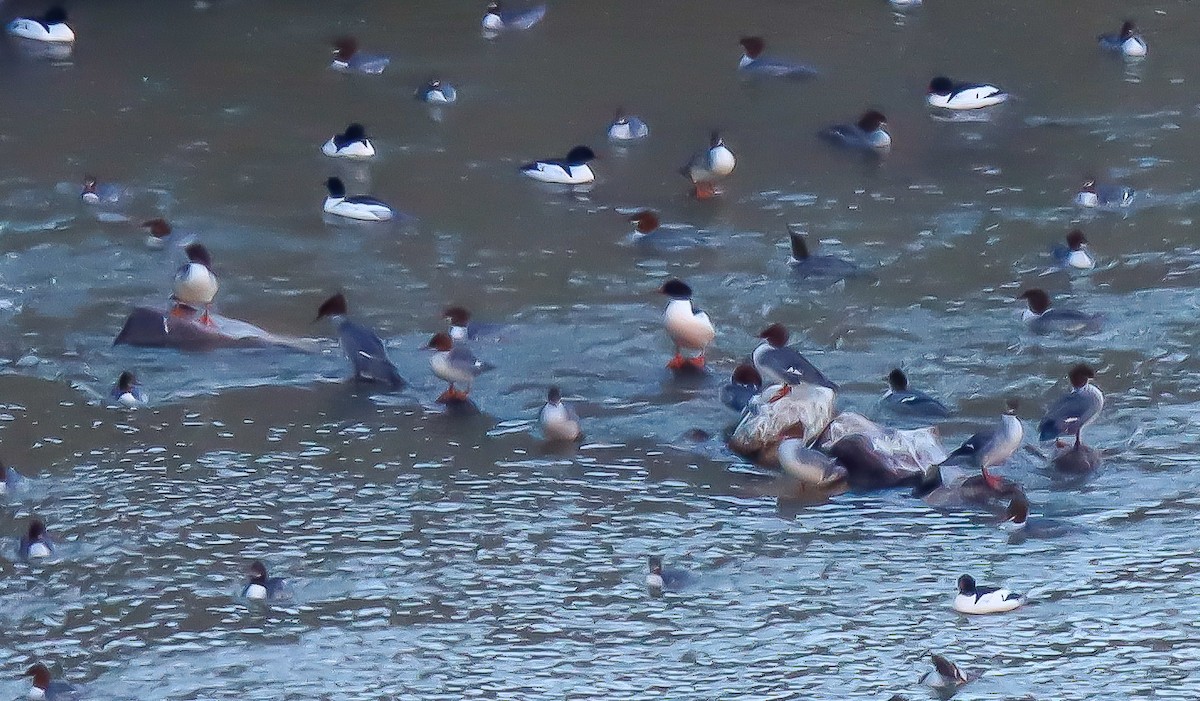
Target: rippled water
[{"x": 441, "y": 557}]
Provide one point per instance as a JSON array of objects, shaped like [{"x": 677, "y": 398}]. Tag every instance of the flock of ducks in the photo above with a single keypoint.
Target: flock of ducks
[{"x": 774, "y": 366}]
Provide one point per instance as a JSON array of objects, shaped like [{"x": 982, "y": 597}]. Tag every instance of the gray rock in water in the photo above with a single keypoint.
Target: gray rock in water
[{"x": 776, "y": 409}]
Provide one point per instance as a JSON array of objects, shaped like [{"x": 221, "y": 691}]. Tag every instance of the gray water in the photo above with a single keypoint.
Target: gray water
[{"x": 438, "y": 557}]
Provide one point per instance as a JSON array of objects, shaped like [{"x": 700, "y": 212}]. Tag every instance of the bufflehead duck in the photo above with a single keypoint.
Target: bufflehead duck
[
  {"x": 810, "y": 468},
  {"x": 946, "y": 675},
  {"x": 352, "y": 143},
  {"x": 669, "y": 578},
  {"x": 1103, "y": 195},
  {"x": 36, "y": 543},
  {"x": 1075, "y": 253},
  {"x": 754, "y": 63},
  {"x": 812, "y": 266},
  {"x": 50, "y": 27},
  {"x": 359, "y": 207},
  {"x": 559, "y": 421},
  {"x": 1041, "y": 318},
  {"x": 1017, "y": 519},
  {"x": 496, "y": 19},
  {"x": 1075, "y": 409},
  {"x": 1127, "y": 42},
  {"x": 947, "y": 94},
  {"x": 195, "y": 284},
  {"x": 437, "y": 92},
  {"x": 127, "y": 392},
  {"x": 347, "y": 59},
  {"x": 1075, "y": 459},
  {"x": 868, "y": 134},
  {"x": 975, "y": 599},
  {"x": 690, "y": 329},
  {"x": 9, "y": 479},
  {"x": 456, "y": 365},
  {"x": 626, "y": 127},
  {"x": 572, "y": 170},
  {"x": 993, "y": 446},
  {"x": 261, "y": 587},
  {"x": 159, "y": 230},
  {"x": 743, "y": 385},
  {"x": 45, "y": 689},
  {"x": 709, "y": 166},
  {"x": 778, "y": 363},
  {"x": 362, "y": 346},
  {"x": 911, "y": 402}
]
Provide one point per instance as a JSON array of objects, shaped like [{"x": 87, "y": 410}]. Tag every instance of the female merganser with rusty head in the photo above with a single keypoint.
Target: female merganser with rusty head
[
  {"x": 690, "y": 329},
  {"x": 1127, "y": 42},
  {"x": 360, "y": 207},
  {"x": 1042, "y": 318},
  {"x": 158, "y": 231},
  {"x": 362, "y": 346},
  {"x": 666, "y": 578},
  {"x": 497, "y": 19},
  {"x": 947, "y": 94},
  {"x": 262, "y": 587},
  {"x": 127, "y": 392},
  {"x": 1110, "y": 196},
  {"x": 741, "y": 388},
  {"x": 50, "y": 27},
  {"x": 1075, "y": 409},
  {"x": 1018, "y": 520},
  {"x": 816, "y": 267},
  {"x": 627, "y": 127},
  {"x": 352, "y": 144},
  {"x": 456, "y": 365},
  {"x": 867, "y": 135},
  {"x": 348, "y": 59},
  {"x": 754, "y": 63},
  {"x": 559, "y": 421},
  {"x": 45, "y": 688},
  {"x": 1075, "y": 253},
  {"x": 572, "y": 170},
  {"x": 709, "y": 166},
  {"x": 779, "y": 363},
  {"x": 645, "y": 222},
  {"x": 36, "y": 543},
  {"x": 975, "y": 599},
  {"x": 437, "y": 92},
  {"x": 900, "y": 399},
  {"x": 195, "y": 284}
]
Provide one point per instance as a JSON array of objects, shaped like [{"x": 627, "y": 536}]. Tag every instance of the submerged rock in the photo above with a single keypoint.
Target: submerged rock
[
  {"x": 776, "y": 409},
  {"x": 876, "y": 456},
  {"x": 158, "y": 328}
]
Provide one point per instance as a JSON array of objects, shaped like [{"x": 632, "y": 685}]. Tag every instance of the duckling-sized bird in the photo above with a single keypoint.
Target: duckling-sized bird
[
  {"x": 867, "y": 135},
  {"x": 645, "y": 222},
  {"x": 754, "y": 63},
  {"x": 901, "y": 399},
  {"x": 262, "y": 587},
  {"x": 742, "y": 386},
  {"x": 708, "y": 167},
  {"x": 456, "y": 365},
  {"x": 1127, "y": 41},
  {"x": 36, "y": 544},
  {"x": 572, "y": 170},
  {"x": 1075, "y": 254},
  {"x": 559, "y": 421},
  {"x": 351, "y": 144},
  {"x": 780, "y": 364},
  {"x": 51, "y": 27},
  {"x": 45, "y": 688},
  {"x": 975, "y": 599},
  {"x": 689, "y": 328},
  {"x": 1075, "y": 409},
  {"x": 158, "y": 232},
  {"x": 1104, "y": 195},
  {"x": 805, "y": 264},
  {"x": 195, "y": 284},
  {"x": 497, "y": 19},
  {"x": 626, "y": 127},
  {"x": 1041, "y": 318},
  {"x": 359, "y": 207},
  {"x": 437, "y": 92},
  {"x": 127, "y": 392},
  {"x": 946, "y": 94},
  {"x": 348, "y": 59},
  {"x": 666, "y": 578},
  {"x": 362, "y": 346}
]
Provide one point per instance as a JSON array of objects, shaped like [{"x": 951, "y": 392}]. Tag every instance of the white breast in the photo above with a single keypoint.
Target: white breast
[
  {"x": 195, "y": 285},
  {"x": 492, "y": 21},
  {"x": 1081, "y": 260},
  {"x": 127, "y": 399},
  {"x": 1087, "y": 199},
  {"x": 443, "y": 368},
  {"x": 39, "y": 550},
  {"x": 688, "y": 330},
  {"x": 36, "y": 694},
  {"x": 721, "y": 161},
  {"x": 256, "y": 591},
  {"x": 558, "y": 424},
  {"x": 357, "y": 210},
  {"x": 654, "y": 581},
  {"x": 31, "y": 29},
  {"x": 1134, "y": 46},
  {"x": 356, "y": 150}
]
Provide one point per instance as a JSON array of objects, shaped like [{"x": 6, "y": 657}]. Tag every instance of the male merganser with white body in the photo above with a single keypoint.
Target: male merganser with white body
[
  {"x": 463, "y": 329},
  {"x": 709, "y": 166},
  {"x": 910, "y": 402},
  {"x": 626, "y": 127},
  {"x": 1075, "y": 253},
  {"x": 946, "y": 676},
  {"x": 50, "y": 27},
  {"x": 1075, "y": 409},
  {"x": 195, "y": 284},
  {"x": 668, "y": 579},
  {"x": 1093, "y": 195},
  {"x": 362, "y": 346},
  {"x": 947, "y": 94},
  {"x": 1127, "y": 42},
  {"x": 689, "y": 328},
  {"x": 559, "y": 421},
  {"x": 359, "y": 207},
  {"x": 754, "y": 63},
  {"x": 352, "y": 144},
  {"x": 36, "y": 543},
  {"x": 127, "y": 392},
  {"x": 261, "y": 587},
  {"x": 993, "y": 446},
  {"x": 456, "y": 365},
  {"x": 741, "y": 388},
  {"x": 572, "y": 170},
  {"x": 496, "y": 19},
  {"x": 807, "y": 265},
  {"x": 437, "y": 92},
  {"x": 159, "y": 230},
  {"x": 780, "y": 364},
  {"x": 45, "y": 688},
  {"x": 867, "y": 135},
  {"x": 975, "y": 599},
  {"x": 348, "y": 59},
  {"x": 1041, "y": 318}
]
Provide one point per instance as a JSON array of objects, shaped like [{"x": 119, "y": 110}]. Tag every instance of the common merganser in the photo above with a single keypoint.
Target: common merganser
[
  {"x": 159, "y": 230},
  {"x": 50, "y": 27},
  {"x": 559, "y": 421},
  {"x": 437, "y": 92},
  {"x": 456, "y": 365},
  {"x": 352, "y": 144},
  {"x": 753, "y": 62},
  {"x": 9, "y": 479},
  {"x": 975, "y": 599},
  {"x": 946, "y": 676},
  {"x": 36, "y": 543},
  {"x": 1075, "y": 253},
  {"x": 261, "y": 587},
  {"x": 690, "y": 329},
  {"x": 868, "y": 134},
  {"x": 1041, "y": 318},
  {"x": 347, "y": 59},
  {"x": 96, "y": 193},
  {"x": 666, "y": 579},
  {"x": 496, "y": 19},
  {"x": 947, "y": 94},
  {"x": 810, "y": 468},
  {"x": 708, "y": 166},
  {"x": 1127, "y": 42},
  {"x": 463, "y": 329},
  {"x": 359, "y": 207},
  {"x": 807, "y": 265},
  {"x": 1075, "y": 409},
  {"x": 1103, "y": 195},
  {"x": 741, "y": 388},
  {"x": 991, "y": 447},
  {"x": 45, "y": 689},
  {"x": 195, "y": 284},
  {"x": 626, "y": 127},
  {"x": 572, "y": 170},
  {"x": 911, "y": 402},
  {"x": 778, "y": 363},
  {"x": 1018, "y": 520},
  {"x": 645, "y": 222},
  {"x": 362, "y": 346},
  {"x": 127, "y": 392}
]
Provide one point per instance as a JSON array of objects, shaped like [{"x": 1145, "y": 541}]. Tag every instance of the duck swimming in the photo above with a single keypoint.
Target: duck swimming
[
  {"x": 625, "y": 127},
  {"x": 348, "y": 59},
  {"x": 1127, "y": 41},
  {"x": 559, "y": 421},
  {"x": 351, "y": 144},
  {"x": 45, "y": 688},
  {"x": 754, "y": 63},
  {"x": 900, "y": 399},
  {"x": 975, "y": 599},
  {"x": 706, "y": 168},
  {"x": 262, "y": 587},
  {"x": 805, "y": 264},
  {"x": 362, "y": 346},
  {"x": 689, "y": 328},
  {"x": 497, "y": 19},
  {"x": 572, "y": 170},
  {"x": 1105, "y": 195},
  {"x": 868, "y": 134},
  {"x": 1041, "y": 318},
  {"x": 666, "y": 579},
  {"x": 946, "y": 676},
  {"x": 36, "y": 544},
  {"x": 158, "y": 231},
  {"x": 1075, "y": 253},
  {"x": 358, "y": 207},
  {"x": 947, "y": 94},
  {"x": 127, "y": 392},
  {"x": 437, "y": 92}
]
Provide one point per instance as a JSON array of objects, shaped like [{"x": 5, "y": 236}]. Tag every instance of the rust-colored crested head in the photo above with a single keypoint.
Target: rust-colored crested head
[
  {"x": 334, "y": 306},
  {"x": 345, "y": 47},
  {"x": 1076, "y": 240},
  {"x": 1038, "y": 300},
  {"x": 753, "y": 46},
  {"x": 441, "y": 342},
  {"x": 159, "y": 228},
  {"x": 645, "y": 221},
  {"x": 746, "y": 374},
  {"x": 1080, "y": 374},
  {"x": 458, "y": 316},
  {"x": 775, "y": 334}
]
